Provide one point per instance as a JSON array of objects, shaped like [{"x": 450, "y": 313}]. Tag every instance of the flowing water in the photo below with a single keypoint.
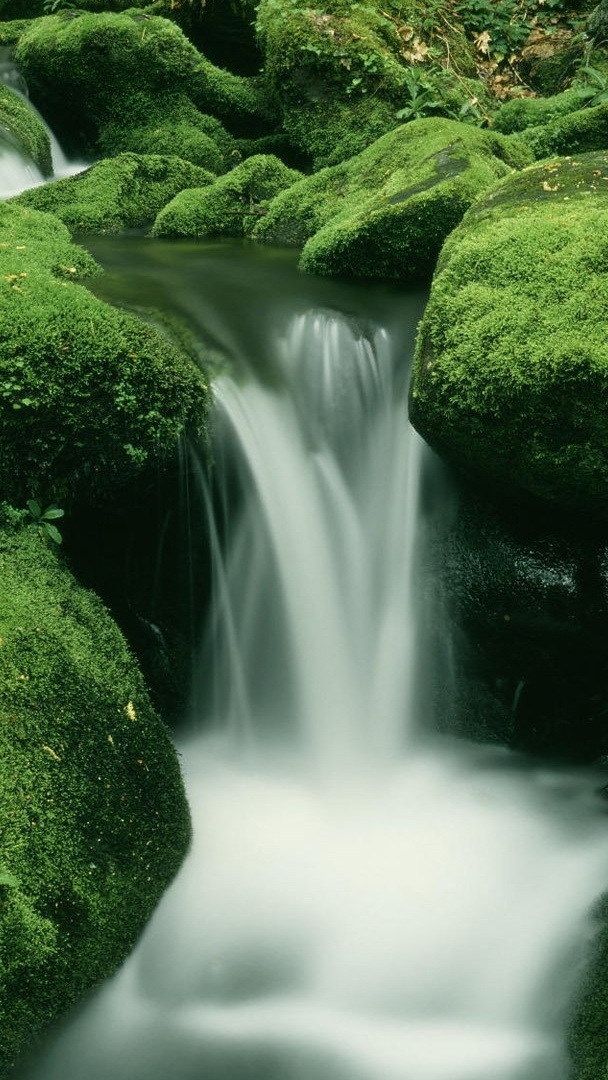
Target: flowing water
[
  {"x": 17, "y": 170},
  {"x": 363, "y": 900}
]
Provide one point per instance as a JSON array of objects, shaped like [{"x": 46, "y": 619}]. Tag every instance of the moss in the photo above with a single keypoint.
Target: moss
[
  {"x": 575, "y": 133},
  {"x": 175, "y": 128},
  {"x": 386, "y": 212},
  {"x": 229, "y": 207},
  {"x": 511, "y": 368},
  {"x": 95, "y": 75},
  {"x": 10, "y": 32},
  {"x": 124, "y": 192},
  {"x": 22, "y": 126},
  {"x": 521, "y": 113},
  {"x": 344, "y": 67},
  {"x": 588, "y": 1042},
  {"x": 88, "y": 395},
  {"x": 92, "y": 809}
]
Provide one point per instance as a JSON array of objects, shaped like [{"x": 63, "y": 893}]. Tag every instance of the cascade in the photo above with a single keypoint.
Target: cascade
[
  {"x": 17, "y": 171},
  {"x": 363, "y": 900}
]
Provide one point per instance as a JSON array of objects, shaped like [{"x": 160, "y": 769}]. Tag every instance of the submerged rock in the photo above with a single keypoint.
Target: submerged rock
[
  {"x": 231, "y": 205},
  {"x": 88, "y": 395},
  {"x": 92, "y": 808},
  {"x": 386, "y": 212},
  {"x": 511, "y": 367},
  {"x": 124, "y": 192}
]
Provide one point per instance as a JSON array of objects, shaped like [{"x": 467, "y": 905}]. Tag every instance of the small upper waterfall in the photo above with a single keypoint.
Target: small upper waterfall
[
  {"x": 361, "y": 902},
  {"x": 17, "y": 171}
]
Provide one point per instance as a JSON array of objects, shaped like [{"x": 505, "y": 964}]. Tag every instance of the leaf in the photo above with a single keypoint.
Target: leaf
[
  {"x": 52, "y": 513},
  {"x": 34, "y": 508},
  {"x": 52, "y": 533},
  {"x": 8, "y": 879}
]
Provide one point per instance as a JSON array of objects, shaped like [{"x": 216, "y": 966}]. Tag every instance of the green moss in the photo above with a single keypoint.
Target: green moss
[
  {"x": 92, "y": 809},
  {"x": 229, "y": 207},
  {"x": 88, "y": 395},
  {"x": 22, "y": 126},
  {"x": 386, "y": 212},
  {"x": 512, "y": 359},
  {"x": 340, "y": 73},
  {"x": 575, "y": 133},
  {"x": 124, "y": 192},
  {"x": 10, "y": 32},
  {"x": 96, "y": 76},
  {"x": 521, "y": 113},
  {"x": 588, "y": 1041},
  {"x": 178, "y": 129}
]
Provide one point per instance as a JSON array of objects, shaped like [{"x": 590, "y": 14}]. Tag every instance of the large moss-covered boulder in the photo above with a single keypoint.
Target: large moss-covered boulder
[
  {"x": 511, "y": 371},
  {"x": 88, "y": 395},
  {"x": 340, "y": 72},
  {"x": 124, "y": 192},
  {"x": 20, "y": 125},
  {"x": 93, "y": 816},
  {"x": 231, "y": 206},
  {"x": 386, "y": 212},
  {"x": 92, "y": 72}
]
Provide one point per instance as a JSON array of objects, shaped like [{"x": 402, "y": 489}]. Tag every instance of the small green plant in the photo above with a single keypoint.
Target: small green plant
[
  {"x": 8, "y": 879},
  {"x": 423, "y": 98},
  {"x": 51, "y": 6},
  {"x": 595, "y": 89},
  {"x": 43, "y": 520}
]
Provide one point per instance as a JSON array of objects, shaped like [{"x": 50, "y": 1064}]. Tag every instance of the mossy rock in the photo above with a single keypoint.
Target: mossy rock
[
  {"x": 339, "y": 73},
  {"x": 231, "y": 206},
  {"x": 174, "y": 127},
  {"x": 93, "y": 815},
  {"x": 88, "y": 395},
  {"x": 91, "y": 72},
  {"x": 576, "y": 133},
  {"x": 512, "y": 359},
  {"x": 521, "y": 113},
  {"x": 124, "y": 192},
  {"x": 386, "y": 212},
  {"x": 20, "y": 125}
]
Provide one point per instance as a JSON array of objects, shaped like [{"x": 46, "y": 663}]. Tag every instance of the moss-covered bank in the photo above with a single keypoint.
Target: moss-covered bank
[
  {"x": 511, "y": 372},
  {"x": 88, "y": 394},
  {"x": 93, "y": 816},
  {"x": 386, "y": 212}
]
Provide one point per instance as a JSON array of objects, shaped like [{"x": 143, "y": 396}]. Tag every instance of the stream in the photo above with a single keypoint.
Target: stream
[{"x": 364, "y": 900}]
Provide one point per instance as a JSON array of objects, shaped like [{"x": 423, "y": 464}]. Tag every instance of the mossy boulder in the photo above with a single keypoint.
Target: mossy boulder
[
  {"x": 88, "y": 395},
  {"x": 386, "y": 212},
  {"x": 521, "y": 113},
  {"x": 511, "y": 370},
  {"x": 91, "y": 72},
  {"x": 575, "y": 133},
  {"x": 175, "y": 126},
  {"x": 124, "y": 192},
  {"x": 340, "y": 73},
  {"x": 18, "y": 124},
  {"x": 231, "y": 206},
  {"x": 93, "y": 815}
]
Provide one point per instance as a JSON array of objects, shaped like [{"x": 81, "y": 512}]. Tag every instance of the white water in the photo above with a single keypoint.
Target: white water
[
  {"x": 17, "y": 170},
  {"x": 362, "y": 902}
]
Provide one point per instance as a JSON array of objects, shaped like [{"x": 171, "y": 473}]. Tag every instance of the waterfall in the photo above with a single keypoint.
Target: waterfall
[
  {"x": 363, "y": 901},
  {"x": 17, "y": 170},
  {"x": 319, "y": 577}
]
